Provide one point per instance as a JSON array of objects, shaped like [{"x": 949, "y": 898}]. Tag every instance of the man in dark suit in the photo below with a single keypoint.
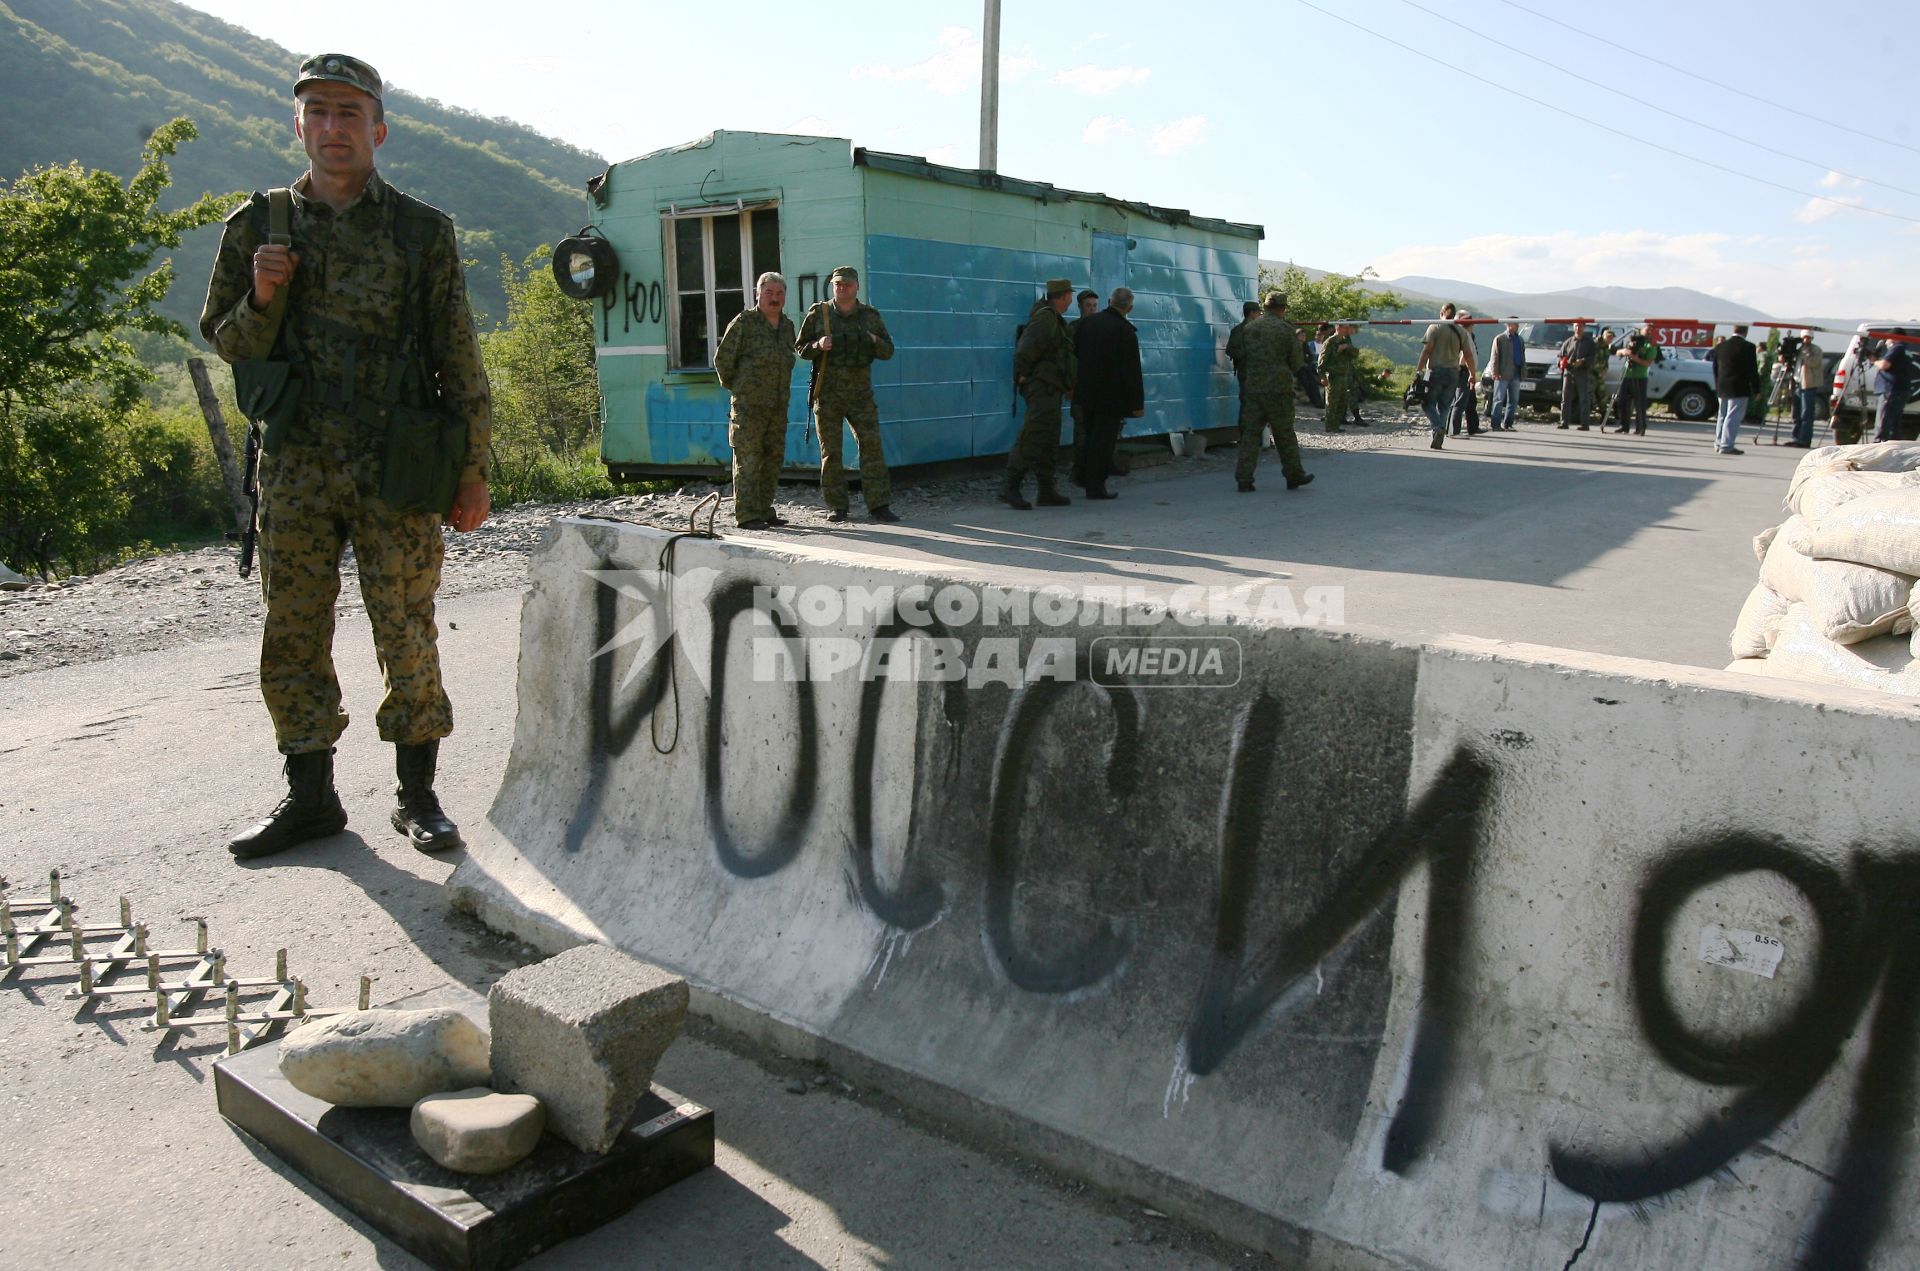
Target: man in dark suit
[
  {"x": 1736, "y": 377},
  {"x": 1109, "y": 388}
]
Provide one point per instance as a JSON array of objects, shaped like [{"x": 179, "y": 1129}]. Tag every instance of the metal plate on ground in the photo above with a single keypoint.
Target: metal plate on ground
[{"x": 366, "y": 1159}]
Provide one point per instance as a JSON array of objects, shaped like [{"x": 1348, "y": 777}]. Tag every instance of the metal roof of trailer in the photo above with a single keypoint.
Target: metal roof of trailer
[{"x": 913, "y": 165}]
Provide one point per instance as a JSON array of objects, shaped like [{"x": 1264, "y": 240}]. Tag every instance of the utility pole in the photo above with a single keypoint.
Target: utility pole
[{"x": 990, "y": 89}]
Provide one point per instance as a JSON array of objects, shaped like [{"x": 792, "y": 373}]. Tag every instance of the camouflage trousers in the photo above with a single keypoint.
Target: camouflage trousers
[
  {"x": 853, "y": 404},
  {"x": 1339, "y": 401},
  {"x": 313, "y": 502},
  {"x": 759, "y": 441},
  {"x": 1268, "y": 410},
  {"x": 1037, "y": 448}
]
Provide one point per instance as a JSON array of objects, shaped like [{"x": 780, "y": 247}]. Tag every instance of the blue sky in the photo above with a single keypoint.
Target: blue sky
[{"x": 1350, "y": 149}]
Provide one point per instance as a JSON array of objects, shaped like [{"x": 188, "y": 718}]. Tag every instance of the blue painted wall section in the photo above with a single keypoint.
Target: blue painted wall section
[
  {"x": 953, "y": 310},
  {"x": 1186, "y": 298}
]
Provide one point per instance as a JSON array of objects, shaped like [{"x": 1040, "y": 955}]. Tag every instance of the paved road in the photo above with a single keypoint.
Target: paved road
[{"x": 1638, "y": 546}]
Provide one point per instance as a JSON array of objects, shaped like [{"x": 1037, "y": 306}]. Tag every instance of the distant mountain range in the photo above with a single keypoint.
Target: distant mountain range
[
  {"x": 91, "y": 79},
  {"x": 1608, "y": 304}
]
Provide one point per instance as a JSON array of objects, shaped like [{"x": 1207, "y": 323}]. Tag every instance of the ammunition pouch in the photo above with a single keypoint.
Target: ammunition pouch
[
  {"x": 421, "y": 461},
  {"x": 268, "y": 391}
]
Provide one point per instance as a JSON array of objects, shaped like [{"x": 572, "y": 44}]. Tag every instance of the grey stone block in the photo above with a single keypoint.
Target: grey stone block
[{"x": 582, "y": 1032}]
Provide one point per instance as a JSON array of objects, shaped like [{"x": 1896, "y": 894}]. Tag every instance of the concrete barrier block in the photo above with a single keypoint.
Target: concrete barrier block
[{"x": 583, "y": 1032}]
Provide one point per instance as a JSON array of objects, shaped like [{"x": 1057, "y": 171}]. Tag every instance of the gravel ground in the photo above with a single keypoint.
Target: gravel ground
[{"x": 183, "y": 597}]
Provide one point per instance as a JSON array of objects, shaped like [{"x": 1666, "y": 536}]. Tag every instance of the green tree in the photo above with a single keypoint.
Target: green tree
[
  {"x": 540, "y": 362},
  {"x": 1331, "y": 296},
  {"x": 76, "y": 268},
  {"x": 546, "y": 391}
]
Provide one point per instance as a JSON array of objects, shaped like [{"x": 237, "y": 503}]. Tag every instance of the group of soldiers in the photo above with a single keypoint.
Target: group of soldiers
[
  {"x": 842, "y": 338},
  {"x": 1269, "y": 357}
]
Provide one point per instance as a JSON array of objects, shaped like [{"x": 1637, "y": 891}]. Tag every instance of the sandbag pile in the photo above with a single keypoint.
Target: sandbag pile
[{"x": 1836, "y": 602}]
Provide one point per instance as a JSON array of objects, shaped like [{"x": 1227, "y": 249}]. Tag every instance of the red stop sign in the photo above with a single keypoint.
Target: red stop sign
[{"x": 1681, "y": 333}]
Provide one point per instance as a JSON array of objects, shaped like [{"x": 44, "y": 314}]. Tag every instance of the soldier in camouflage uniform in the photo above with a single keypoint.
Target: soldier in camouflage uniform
[
  {"x": 1237, "y": 352},
  {"x": 1273, "y": 358},
  {"x": 843, "y": 338},
  {"x": 1044, "y": 371},
  {"x": 1597, "y": 373},
  {"x": 1340, "y": 367},
  {"x": 755, "y": 365},
  {"x": 368, "y": 299}
]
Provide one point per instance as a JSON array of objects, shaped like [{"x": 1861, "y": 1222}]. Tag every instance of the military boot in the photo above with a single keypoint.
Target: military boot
[
  {"x": 418, "y": 815},
  {"x": 1010, "y": 490},
  {"x": 1050, "y": 496},
  {"x": 311, "y": 809}
]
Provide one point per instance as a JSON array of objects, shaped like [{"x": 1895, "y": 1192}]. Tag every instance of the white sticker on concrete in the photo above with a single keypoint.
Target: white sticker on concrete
[{"x": 1742, "y": 950}]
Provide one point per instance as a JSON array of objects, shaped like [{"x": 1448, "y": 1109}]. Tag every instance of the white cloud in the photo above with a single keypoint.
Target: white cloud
[
  {"x": 1101, "y": 81},
  {"x": 1814, "y": 211},
  {"x": 954, "y": 69},
  {"x": 948, "y": 154},
  {"x": 811, "y": 126},
  {"x": 1836, "y": 180},
  {"x": 1104, "y": 129},
  {"x": 1181, "y": 134}
]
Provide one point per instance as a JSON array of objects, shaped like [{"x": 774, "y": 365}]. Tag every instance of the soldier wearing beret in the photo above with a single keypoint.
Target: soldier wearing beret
[
  {"x": 1273, "y": 359},
  {"x": 843, "y": 338},
  {"x": 1044, "y": 370},
  {"x": 377, "y": 428}
]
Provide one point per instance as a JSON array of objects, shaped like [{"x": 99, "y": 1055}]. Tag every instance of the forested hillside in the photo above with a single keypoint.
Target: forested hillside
[{"x": 89, "y": 80}]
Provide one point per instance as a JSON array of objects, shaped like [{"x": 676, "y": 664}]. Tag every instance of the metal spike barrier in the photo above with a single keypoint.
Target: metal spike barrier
[{"x": 32, "y": 931}]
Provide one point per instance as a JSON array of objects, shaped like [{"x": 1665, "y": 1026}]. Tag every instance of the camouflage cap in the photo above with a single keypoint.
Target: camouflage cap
[
  {"x": 846, "y": 273},
  {"x": 1276, "y": 300},
  {"x": 1059, "y": 287},
  {"x": 340, "y": 69}
]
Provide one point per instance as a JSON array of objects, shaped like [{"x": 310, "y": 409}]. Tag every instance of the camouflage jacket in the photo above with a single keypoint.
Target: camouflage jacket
[
  {"x": 1273, "y": 356},
  {"x": 859, "y": 338},
  {"x": 755, "y": 362},
  {"x": 1044, "y": 357},
  {"x": 1237, "y": 349},
  {"x": 345, "y": 312},
  {"x": 1340, "y": 360}
]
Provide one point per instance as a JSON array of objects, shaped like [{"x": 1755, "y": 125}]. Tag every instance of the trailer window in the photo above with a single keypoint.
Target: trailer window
[{"x": 715, "y": 256}]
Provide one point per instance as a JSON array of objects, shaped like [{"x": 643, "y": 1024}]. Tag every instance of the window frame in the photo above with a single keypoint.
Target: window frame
[{"x": 670, "y": 217}]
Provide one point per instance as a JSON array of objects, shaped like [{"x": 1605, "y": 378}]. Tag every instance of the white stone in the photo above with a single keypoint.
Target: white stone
[
  {"x": 478, "y": 1131},
  {"x": 10, "y": 581},
  {"x": 583, "y": 1031},
  {"x": 385, "y": 1058}
]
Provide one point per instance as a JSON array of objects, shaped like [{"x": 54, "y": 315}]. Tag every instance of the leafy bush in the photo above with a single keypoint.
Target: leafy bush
[{"x": 531, "y": 473}]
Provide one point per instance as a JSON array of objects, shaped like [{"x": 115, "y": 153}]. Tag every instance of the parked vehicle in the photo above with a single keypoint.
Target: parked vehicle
[
  {"x": 1854, "y": 402},
  {"x": 1682, "y": 381}
]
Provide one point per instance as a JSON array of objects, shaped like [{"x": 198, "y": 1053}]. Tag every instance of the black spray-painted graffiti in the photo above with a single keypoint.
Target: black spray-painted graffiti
[
  {"x": 639, "y": 303},
  {"x": 1868, "y": 926}
]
